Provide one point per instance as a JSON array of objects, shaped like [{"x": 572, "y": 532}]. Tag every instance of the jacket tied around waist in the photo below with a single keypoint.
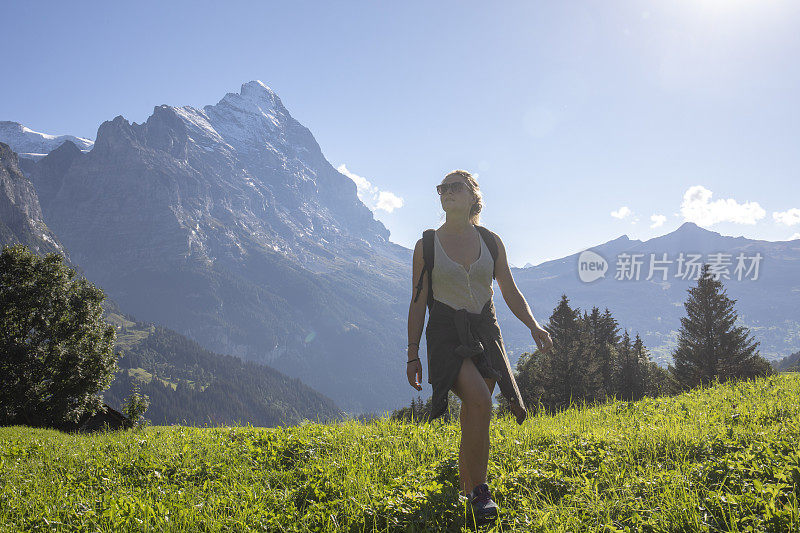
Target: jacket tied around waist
[{"x": 452, "y": 335}]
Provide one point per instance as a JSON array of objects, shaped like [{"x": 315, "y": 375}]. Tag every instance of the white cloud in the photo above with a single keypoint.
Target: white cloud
[
  {"x": 370, "y": 194},
  {"x": 788, "y": 218},
  {"x": 621, "y": 213},
  {"x": 697, "y": 207},
  {"x": 388, "y": 201},
  {"x": 795, "y": 236},
  {"x": 658, "y": 220}
]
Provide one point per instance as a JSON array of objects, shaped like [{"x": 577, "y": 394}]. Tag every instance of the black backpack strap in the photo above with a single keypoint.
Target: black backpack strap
[
  {"x": 427, "y": 256},
  {"x": 491, "y": 244}
]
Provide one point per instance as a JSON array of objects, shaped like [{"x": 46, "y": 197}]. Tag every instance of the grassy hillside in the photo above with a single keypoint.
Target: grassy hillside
[{"x": 721, "y": 458}]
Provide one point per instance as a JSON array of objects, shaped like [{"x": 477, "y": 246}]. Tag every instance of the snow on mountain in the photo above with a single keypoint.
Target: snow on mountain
[
  {"x": 227, "y": 224},
  {"x": 252, "y": 119},
  {"x": 33, "y": 144},
  {"x": 262, "y": 131}
]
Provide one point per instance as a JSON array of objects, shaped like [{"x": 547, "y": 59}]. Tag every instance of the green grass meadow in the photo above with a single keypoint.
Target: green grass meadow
[{"x": 722, "y": 458}]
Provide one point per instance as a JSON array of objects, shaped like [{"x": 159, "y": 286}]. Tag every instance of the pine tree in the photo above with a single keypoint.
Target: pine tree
[
  {"x": 453, "y": 407},
  {"x": 709, "y": 344},
  {"x": 593, "y": 322},
  {"x": 572, "y": 373},
  {"x": 626, "y": 374},
  {"x": 641, "y": 359},
  {"x": 590, "y": 375},
  {"x": 604, "y": 332},
  {"x": 563, "y": 328},
  {"x": 608, "y": 338}
]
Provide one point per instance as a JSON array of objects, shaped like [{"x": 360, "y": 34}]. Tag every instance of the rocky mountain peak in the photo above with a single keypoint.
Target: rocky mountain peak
[
  {"x": 692, "y": 228},
  {"x": 255, "y": 121},
  {"x": 253, "y": 98},
  {"x": 67, "y": 149},
  {"x": 164, "y": 130},
  {"x": 220, "y": 180},
  {"x": 256, "y": 91},
  {"x": 113, "y": 134},
  {"x": 62, "y": 157}
]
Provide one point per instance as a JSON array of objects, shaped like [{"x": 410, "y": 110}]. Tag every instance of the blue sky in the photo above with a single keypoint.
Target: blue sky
[{"x": 582, "y": 119}]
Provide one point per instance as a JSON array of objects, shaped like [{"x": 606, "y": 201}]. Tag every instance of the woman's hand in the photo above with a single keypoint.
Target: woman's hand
[
  {"x": 542, "y": 338},
  {"x": 414, "y": 372}
]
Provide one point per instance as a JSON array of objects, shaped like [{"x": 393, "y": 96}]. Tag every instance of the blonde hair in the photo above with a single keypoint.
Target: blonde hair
[{"x": 472, "y": 185}]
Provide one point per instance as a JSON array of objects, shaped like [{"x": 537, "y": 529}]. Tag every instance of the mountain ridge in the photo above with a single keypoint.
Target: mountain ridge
[
  {"x": 653, "y": 307},
  {"x": 249, "y": 243}
]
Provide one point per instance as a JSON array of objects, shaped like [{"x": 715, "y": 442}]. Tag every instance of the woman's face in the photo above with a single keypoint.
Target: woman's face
[{"x": 457, "y": 201}]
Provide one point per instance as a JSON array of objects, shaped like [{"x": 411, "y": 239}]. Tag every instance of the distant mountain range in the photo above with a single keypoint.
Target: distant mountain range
[
  {"x": 228, "y": 225},
  {"x": 767, "y": 297},
  {"x": 34, "y": 145}
]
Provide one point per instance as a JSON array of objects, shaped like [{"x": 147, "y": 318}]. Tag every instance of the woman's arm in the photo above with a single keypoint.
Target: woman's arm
[
  {"x": 416, "y": 317},
  {"x": 515, "y": 300}
]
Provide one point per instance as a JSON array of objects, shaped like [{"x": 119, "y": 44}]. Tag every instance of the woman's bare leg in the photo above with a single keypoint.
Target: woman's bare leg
[{"x": 476, "y": 409}]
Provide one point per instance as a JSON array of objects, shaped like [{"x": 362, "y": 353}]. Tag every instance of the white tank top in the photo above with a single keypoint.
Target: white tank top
[{"x": 458, "y": 287}]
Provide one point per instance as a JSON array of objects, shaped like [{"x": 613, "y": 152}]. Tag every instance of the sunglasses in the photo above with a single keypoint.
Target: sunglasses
[{"x": 455, "y": 186}]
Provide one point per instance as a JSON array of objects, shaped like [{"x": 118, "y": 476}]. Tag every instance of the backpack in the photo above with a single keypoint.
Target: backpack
[{"x": 428, "y": 255}]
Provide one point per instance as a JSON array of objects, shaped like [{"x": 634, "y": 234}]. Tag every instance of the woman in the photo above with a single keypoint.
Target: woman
[{"x": 465, "y": 347}]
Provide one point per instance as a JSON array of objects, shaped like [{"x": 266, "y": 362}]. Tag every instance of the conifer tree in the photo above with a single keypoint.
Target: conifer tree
[
  {"x": 604, "y": 333},
  {"x": 608, "y": 338},
  {"x": 590, "y": 376},
  {"x": 592, "y": 321},
  {"x": 626, "y": 376},
  {"x": 640, "y": 358},
  {"x": 572, "y": 373},
  {"x": 563, "y": 328},
  {"x": 710, "y": 345}
]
